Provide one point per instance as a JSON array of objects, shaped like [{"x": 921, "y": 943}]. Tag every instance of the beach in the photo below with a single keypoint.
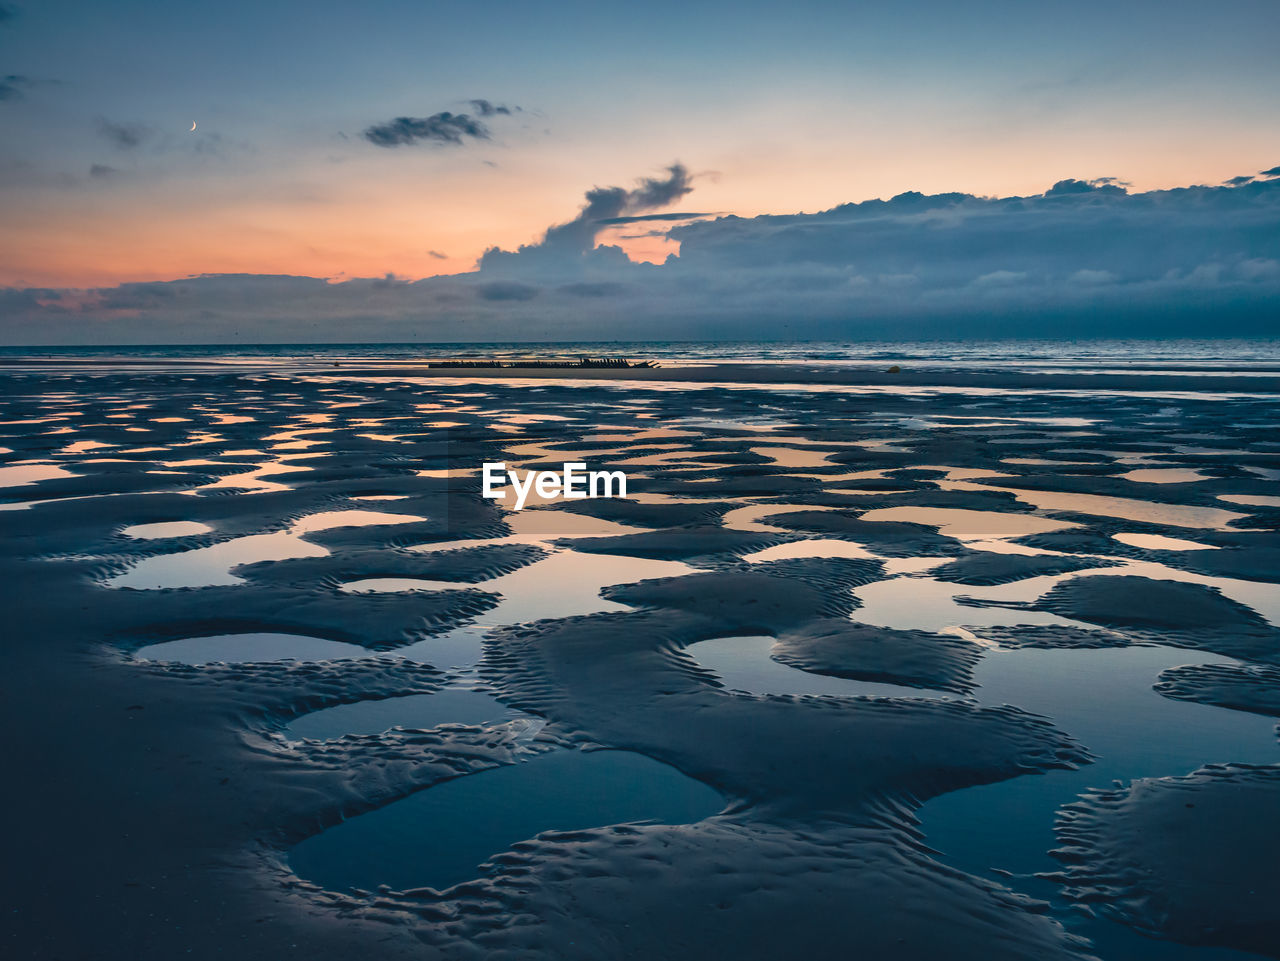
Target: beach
[{"x": 893, "y": 665}]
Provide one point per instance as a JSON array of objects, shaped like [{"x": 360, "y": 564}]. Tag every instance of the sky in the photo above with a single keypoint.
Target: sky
[{"x": 358, "y": 151}]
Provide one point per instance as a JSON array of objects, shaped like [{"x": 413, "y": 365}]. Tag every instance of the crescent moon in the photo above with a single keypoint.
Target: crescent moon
[{"x": 193, "y": 126}]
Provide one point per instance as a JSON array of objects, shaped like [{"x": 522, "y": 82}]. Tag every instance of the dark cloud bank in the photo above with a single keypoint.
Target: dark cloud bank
[
  {"x": 13, "y": 85},
  {"x": 1081, "y": 259},
  {"x": 444, "y": 128},
  {"x": 124, "y": 136}
]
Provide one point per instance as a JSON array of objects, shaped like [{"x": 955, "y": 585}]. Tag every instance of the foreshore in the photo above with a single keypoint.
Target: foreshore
[{"x": 889, "y": 536}]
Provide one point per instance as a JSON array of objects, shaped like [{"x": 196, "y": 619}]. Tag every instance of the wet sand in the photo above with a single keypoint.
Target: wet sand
[
  {"x": 861, "y": 377},
  {"x": 876, "y": 538}
]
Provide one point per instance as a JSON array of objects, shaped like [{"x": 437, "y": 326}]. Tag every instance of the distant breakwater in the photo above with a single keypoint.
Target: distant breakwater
[{"x": 580, "y": 362}]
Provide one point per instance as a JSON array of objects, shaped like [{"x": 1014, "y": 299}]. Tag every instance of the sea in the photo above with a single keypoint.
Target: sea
[{"x": 1243, "y": 356}]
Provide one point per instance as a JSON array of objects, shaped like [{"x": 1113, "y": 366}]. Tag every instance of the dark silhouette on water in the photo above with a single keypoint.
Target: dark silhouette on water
[{"x": 580, "y": 362}]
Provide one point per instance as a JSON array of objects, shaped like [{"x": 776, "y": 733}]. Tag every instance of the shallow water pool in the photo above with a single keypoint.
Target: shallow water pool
[
  {"x": 1104, "y": 698},
  {"x": 415, "y": 711},
  {"x": 439, "y": 837},
  {"x": 211, "y": 566},
  {"x": 166, "y": 529},
  {"x": 744, "y": 664},
  {"x": 246, "y": 648}
]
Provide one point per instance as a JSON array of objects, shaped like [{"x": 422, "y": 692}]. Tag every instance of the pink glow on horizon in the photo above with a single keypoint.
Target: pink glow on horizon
[{"x": 367, "y": 225}]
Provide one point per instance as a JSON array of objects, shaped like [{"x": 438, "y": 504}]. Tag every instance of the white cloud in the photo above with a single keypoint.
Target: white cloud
[
  {"x": 1093, "y": 278},
  {"x": 1000, "y": 278},
  {"x": 1259, "y": 268}
]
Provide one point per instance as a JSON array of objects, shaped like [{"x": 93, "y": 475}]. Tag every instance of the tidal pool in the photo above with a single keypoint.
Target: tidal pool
[
  {"x": 253, "y": 480},
  {"x": 970, "y": 524},
  {"x": 749, "y": 517},
  {"x": 794, "y": 457},
  {"x": 1104, "y": 698},
  {"x": 1165, "y": 475},
  {"x": 1251, "y": 500},
  {"x": 211, "y": 566},
  {"x": 744, "y": 664},
  {"x": 809, "y": 548},
  {"x": 166, "y": 529},
  {"x": 458, "y": 649},
  {"x": 245, "y": 648},
  {"x": 1147, "y": 512},
  {"x": 379, "y": 585},
  {"x": 20, "y": 475},
  {"x": 1159, "y": 542},
  {"x": 562, "y": 584},
  {"x": 453, "y": 705},
  {"x": 439, "y": 837},
  {"x": 329, "y": 520},
  {"x": 925, "y": 604}
]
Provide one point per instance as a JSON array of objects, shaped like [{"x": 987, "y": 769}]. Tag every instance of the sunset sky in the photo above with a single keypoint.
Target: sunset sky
[
  {"x": 295, "y": 166},
  {"x": 774, "y": 108}
]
